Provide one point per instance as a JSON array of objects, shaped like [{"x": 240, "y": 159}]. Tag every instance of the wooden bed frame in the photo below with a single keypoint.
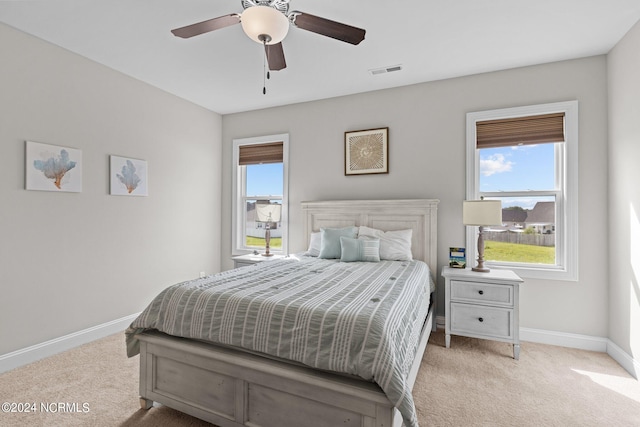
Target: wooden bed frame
[{"x": 231, "y": 387}]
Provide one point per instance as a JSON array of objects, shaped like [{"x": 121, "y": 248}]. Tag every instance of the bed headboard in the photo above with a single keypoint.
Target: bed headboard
[{"x": 420, "y": 215}]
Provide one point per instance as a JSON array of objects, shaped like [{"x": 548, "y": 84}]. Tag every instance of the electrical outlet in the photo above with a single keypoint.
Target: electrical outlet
[{"x": 203, "y": 274}]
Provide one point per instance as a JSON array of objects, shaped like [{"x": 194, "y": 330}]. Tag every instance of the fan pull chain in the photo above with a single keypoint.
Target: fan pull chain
[{"x": 265, "y": 71}]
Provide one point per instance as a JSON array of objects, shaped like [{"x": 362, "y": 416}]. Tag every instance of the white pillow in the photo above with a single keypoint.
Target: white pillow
[
  {"x": 315, "y": 243},
  {"x": 394, "y": 245}
]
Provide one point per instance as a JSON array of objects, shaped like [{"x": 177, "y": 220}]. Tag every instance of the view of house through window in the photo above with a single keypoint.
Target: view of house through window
[
  {"x": 523, "y": 178},
  {"x": 260, "y": 193},
  {"x": 527, "y": 157}
]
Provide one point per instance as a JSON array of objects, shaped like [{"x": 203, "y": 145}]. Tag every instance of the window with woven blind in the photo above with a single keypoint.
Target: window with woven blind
[
  {"x": 260, "y": 177},
  {"x": 527, "y": 158}
]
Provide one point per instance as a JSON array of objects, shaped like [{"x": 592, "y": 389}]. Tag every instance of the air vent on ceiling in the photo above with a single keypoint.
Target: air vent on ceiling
[{"x": 385, "y": 70}]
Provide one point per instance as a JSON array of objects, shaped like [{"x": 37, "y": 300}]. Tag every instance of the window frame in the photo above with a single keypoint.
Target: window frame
[
  {"x": 566, "y": 191},
  {"x": 238, "y": 214}
]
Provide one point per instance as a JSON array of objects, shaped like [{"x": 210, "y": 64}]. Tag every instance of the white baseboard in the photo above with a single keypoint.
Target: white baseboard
[
  {"x": 49, "y": 348},
  {"x": 630, "y": 364},
  {"x": 583, "y": 342},
  {"x": 440, "y": 322},
  {"x": 563, "y": 339}
]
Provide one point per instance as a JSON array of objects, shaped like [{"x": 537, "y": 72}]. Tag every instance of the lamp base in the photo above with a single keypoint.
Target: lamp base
[
  {"x": 267, "y": 239},
  {"x": 480, "y": 268}
]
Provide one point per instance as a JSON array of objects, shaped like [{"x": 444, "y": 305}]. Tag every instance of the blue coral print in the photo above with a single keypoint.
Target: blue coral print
[
  {"x": 55, "y": 168},
  {"x": 129, "y": 177}
]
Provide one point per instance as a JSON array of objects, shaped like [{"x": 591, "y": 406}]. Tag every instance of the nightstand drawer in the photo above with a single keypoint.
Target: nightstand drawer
[
  {"x": 478, "y": 292},
  {"x": 481, "y": 321}
]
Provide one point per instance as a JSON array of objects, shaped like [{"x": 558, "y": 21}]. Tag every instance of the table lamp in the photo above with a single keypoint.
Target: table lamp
[
  {"x": 481, "y": 213},
  {"x": 268, "y": 213}
]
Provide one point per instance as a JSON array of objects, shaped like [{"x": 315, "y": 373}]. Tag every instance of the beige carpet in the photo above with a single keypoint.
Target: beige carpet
[{"x": 474, "y": 383}]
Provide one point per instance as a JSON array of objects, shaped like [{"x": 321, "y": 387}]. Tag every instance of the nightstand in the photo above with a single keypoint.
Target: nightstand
[
  {"x": 250, "y": 259},
  {"x": 482, "y": 305}
]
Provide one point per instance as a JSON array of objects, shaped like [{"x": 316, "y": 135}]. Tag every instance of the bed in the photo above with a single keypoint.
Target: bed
[{"x": 261, "y": 385}]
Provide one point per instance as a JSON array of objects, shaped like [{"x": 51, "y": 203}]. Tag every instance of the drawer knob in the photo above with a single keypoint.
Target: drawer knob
[
  {"x": 481, "y": 292},
  {"x": 481, "y": 319}
]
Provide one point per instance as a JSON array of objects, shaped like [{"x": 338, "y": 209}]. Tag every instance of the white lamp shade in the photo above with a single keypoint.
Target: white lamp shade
[
  {"x": 264, "y": 20},
  {"x": 268, "y": 213},
  {"x": 482, "y": 212}
]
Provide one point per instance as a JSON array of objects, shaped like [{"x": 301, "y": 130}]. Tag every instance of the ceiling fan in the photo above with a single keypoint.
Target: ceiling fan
[{"x": 267, "y": 22}]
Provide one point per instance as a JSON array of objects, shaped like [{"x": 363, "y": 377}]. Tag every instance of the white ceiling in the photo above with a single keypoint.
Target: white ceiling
[{"x": 223, "y": 70}]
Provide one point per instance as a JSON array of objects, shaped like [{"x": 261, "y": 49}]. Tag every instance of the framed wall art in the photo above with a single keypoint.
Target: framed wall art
[
  {"x": 366, "y": 151},
  {"x": 128, "y": 176},
  {"x": 53, "y": 168}
]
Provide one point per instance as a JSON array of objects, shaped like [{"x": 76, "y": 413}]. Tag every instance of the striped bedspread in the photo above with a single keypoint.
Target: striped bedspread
[{"x": 357, "y": 318}]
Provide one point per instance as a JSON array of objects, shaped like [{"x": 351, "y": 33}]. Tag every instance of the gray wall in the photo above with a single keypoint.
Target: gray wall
[
  {"x": 107, "y": 256},
  {"x": 624, "y": 196},
  {"x": 70, "y": 261},
  {"x": 427, "y": 160}
]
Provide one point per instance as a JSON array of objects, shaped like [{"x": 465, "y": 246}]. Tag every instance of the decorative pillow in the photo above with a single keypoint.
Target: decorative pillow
[
  {"x": 315, "y": 240},
  {"x": 394, "y": 245},
  {"x": 330, "y": 241},
  {"x": 359, "y": 249}
]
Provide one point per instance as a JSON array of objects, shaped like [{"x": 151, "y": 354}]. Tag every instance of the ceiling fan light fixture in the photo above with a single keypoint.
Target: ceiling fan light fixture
[{"x": 264, "y": 24}]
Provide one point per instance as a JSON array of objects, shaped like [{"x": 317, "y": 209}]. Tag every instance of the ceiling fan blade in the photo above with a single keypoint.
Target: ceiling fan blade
[
  {"x": 326, "y": 27},
  {"x": 207, "y": 26},
  {"x": 275, "y": 56}
]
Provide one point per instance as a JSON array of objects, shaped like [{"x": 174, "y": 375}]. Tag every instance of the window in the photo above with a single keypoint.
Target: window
[
  {"x": 259, "y": 178},
  {"x": 527, "y": 157}
]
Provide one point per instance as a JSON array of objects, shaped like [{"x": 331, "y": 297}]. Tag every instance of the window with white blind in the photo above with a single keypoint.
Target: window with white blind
[
  {"x": 259, "y": 178},
  {"x": 527, "y": 157}
]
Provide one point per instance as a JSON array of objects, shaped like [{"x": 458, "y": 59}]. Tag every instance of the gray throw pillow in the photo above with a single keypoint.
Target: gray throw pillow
[{"x": 359, "y": 250}]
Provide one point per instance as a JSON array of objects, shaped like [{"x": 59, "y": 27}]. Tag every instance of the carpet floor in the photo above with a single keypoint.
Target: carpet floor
[{"x": 473, "y": 383}]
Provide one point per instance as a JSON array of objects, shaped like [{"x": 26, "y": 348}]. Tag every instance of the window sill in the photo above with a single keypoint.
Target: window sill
[{"x": 558, "y": 274}]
